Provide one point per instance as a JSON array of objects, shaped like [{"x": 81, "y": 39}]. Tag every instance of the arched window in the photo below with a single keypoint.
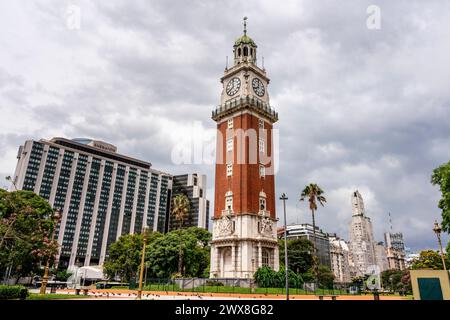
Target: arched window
[
  {"x": 251, "y": 52},
  {"x": 245, "y": 51},
  {"x": 239, "y": 52}
]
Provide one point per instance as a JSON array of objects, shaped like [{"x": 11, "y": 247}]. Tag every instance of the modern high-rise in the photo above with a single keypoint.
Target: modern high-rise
[
  {"x": 102, "y": 194},
  {"x": 193, "y": 186},
  {"x": 305, "y": 230},
  {"x": 244, "y": 222},
  {"x": 361, "y": 240},
  {"x": 395, "y": 248}
]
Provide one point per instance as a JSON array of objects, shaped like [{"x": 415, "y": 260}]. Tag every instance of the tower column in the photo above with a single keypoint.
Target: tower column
[
  {"x": 259, "y": 255},
  {"x": 233, "y": 259}
]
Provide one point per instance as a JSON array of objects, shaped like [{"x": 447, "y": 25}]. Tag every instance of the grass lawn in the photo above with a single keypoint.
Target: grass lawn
[{"x": 54, "y": 296}]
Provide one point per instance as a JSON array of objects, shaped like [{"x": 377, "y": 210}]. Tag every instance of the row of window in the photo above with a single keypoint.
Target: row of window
[
  {"x": 262, "y": 170},
  {"x": 229, "y": 201},
  {"x": 260, "y": 123}
]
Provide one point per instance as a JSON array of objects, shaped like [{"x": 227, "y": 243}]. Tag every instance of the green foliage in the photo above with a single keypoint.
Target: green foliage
[
  {"x": 63, "y": 275},
  {"x": 163, "y": 255},
  {"x": 325, "y": 277},
  {"x": 441, "y": 177},
  {"x": 266, "y": 277},
  {"x": 13, "y": 292},
  {"x": 300, "y": 257},
  {"x": 26, "y": 224},
  {"x": 124, "y": 257},
  {"x": 396, "y": 280},
  {"x": 214, "y": 283},
  {"x": 430, "y": 259}
]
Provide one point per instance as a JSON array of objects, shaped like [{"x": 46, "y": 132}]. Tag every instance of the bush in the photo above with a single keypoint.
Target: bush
[
  {"x": 213, "y": 283},
  {"x": 13, "y": 292}
]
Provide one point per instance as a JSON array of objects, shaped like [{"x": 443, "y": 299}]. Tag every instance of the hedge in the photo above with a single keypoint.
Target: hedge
[{"x": 13, "y": 292}]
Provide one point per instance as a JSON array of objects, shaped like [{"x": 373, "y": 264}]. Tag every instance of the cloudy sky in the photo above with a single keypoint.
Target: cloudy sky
[{"x": 359, "y": 108}]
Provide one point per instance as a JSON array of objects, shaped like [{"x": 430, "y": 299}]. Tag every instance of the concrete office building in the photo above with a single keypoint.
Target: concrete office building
[
  {"x": 102, "y": 194},
  {"x": 194, "y": 187},
  {"x": 361, "y": 240},
  {"x": 395, "y": 248},
  {"x": 305, "y": 230}
]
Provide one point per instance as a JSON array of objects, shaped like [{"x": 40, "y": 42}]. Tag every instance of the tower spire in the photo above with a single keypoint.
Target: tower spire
[{"x": 245, "y": 25}]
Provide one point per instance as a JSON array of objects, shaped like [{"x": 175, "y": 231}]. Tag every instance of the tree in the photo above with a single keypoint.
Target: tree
[
  {"x": 392, "y": 279},
  {"x": 25, "y": 227},
  {"x": 325, "y": 277},
  {"x": 163, "y": 255},
  {"x": 266, "y": 277},
  {"x": 430, "y": 259},
  {"x": 299, "y": 254},
  {"x": 441, "y": 177},
  {"x": 180, "y": 209},
  {"x": 314, "y": 194}
]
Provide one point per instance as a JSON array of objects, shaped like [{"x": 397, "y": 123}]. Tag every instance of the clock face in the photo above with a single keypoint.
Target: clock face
[
  {"x": 258, "y": 87},
  {"x": 233, "y": 86}
]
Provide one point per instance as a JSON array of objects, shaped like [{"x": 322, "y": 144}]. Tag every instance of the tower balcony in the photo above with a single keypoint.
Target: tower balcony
[
  {"x": 247, "y": 102},
  {"x": 264, "y": 213},
  {"x": 227, "y": 212}
]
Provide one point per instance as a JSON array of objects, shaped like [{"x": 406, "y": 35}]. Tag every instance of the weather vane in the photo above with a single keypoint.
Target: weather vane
[{"x": 245, "y": 25}]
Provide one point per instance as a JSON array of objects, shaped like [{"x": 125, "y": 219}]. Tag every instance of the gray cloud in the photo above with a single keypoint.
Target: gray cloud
[{"x": 359, "y": 109}]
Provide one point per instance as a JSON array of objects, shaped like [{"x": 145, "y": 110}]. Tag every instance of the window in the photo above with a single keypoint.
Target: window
[
  {"x": 261, "y": 145},
  {"x": 229, "y": 170},
  {"x": 261, "y": 123},
  {"x": 265, "y": 258},
  {"x": 245, "y": 51},
  {"x": 229, "y": 201},
  {"x": 230, "y": 123},
  {"x": 230, "y": 144},
  {"x": 262, "y": 171}
]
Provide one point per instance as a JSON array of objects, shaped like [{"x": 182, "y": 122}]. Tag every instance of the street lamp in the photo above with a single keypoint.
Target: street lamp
[
  {"x": 56, "y": 219},
  {"x": 141, "y": 273},
  {"x": 437, "y": 229},
  {"x": 284, "y": 198}
]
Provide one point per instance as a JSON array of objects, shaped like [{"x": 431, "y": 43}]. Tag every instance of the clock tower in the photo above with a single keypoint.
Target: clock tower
[{"x": 244, "y": 222}]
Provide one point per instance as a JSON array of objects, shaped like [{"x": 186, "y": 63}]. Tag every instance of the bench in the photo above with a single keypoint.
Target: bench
[{"x": 333, "y": 296}]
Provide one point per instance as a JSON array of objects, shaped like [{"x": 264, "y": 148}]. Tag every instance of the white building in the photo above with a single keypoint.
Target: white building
[
  {"x": 381, "y": 257},
  {"x": 339, "y": 255},
  {"x": 362, "y": 243}
]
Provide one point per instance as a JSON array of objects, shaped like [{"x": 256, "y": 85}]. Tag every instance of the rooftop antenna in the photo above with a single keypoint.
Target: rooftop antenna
[
  {"x": 390, "y": 222},
  {"x": 263, "y": 63},
  {"x": 245, "y": 26},
  {"x": 226, "y": 64}
]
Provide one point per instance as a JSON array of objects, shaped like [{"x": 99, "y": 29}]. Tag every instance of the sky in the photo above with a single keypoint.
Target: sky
[{"x": 361, "y": 92}]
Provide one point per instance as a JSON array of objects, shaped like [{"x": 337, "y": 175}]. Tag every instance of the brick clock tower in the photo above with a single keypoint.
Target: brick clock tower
[{"x": 244, "y": 222}]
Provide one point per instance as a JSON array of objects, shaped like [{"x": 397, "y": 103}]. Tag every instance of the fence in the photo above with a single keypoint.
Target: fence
[{"x": 240, "y": 286}]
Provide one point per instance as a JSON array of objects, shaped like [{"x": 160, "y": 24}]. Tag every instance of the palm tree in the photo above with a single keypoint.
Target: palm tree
[
  {"x": 314, "y": 194},
  {"x": 180, "y": 209}
]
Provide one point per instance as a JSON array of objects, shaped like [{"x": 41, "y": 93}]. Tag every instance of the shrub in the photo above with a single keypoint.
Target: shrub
[
  {"x": 13, "y": 292},
  {"x": 213, "y": 283}
]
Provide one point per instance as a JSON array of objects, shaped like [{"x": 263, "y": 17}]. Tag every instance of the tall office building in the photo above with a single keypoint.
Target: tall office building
[
  {"x": 395, "y": 248},
  {"x": 101, "y": 193},
  {"x": 194, "y": 187},
  {"x": 362, "y": 243}
]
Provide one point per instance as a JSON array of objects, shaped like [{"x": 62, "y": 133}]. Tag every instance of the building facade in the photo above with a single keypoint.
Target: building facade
[
  {"x": 194, "y": 187},
  {"x": 361, "y": 240},
  {"x": 395, "y": 248},
  {"x": 102, "y": 194},
  {"x": 305, "y": 230},
  {"x": 244, "y": 221},
  {"x": 339, "y": 258},
  {"x": 381, "y": 257}
]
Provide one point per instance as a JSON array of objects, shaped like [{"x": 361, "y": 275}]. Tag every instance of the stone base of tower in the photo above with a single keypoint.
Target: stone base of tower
[{"x": 243, "y": 243}]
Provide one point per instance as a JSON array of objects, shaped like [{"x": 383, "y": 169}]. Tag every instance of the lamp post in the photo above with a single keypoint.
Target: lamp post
[
  {"x": 284, "y": 198},
  {"x": 56, "y": 219},
  {"x": 141, "y": 273},
  {"x": 437, "y": 229}
]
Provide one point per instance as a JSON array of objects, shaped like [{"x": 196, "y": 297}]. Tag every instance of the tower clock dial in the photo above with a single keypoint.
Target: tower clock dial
[
  {"x": 258, "y": 87},
  {"x": 233, "y": 86}
]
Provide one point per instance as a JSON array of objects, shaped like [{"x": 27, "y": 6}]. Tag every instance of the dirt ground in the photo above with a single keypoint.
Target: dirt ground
[{"x": 120, "y": 293}]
